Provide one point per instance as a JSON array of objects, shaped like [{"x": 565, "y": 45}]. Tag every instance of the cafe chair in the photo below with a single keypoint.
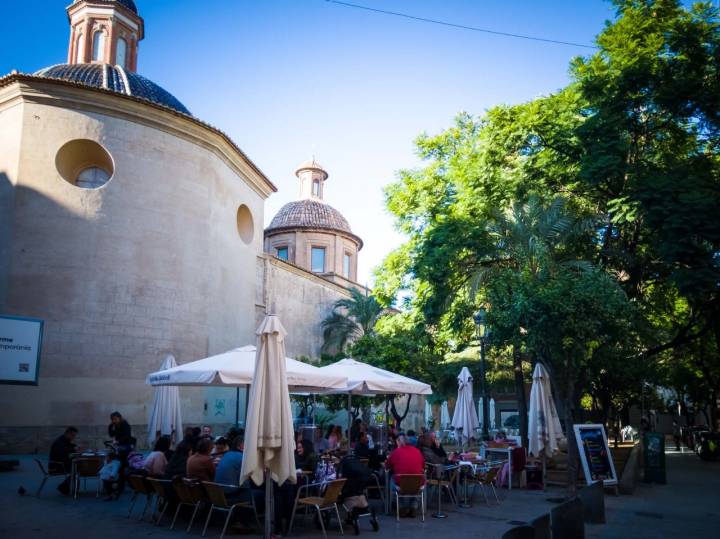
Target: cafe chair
[
  {"x": 488, "y": 480},
  {"x": 321, "y": 504},
  {"x": 190, "y": 494},
  {"x": 47, "y": 474},
  {"x": 140, "y": 487},
  {"x": 163, "y": 493},
  {"x": 218, "y": 502},
  {"x": 410, "y": 486}
]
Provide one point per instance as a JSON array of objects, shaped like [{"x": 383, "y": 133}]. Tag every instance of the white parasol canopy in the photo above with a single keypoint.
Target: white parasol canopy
[
  {"x": 237, "y": 368},
  {"x": 491, "y": 413},
  {"x": 465, "y": 417},
  {"x": 165, "y": 417},
  {"x": 269, "y": 439},
  {"x": 364, "y": 379},
  {"x": 444, "y": 415},
  {"x": 544, "y": 430}
]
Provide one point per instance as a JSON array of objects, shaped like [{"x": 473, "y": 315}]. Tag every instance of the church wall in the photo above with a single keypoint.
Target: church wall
[
  {"x": 149, "y": 264},
  {"x": 300, "y": 299}
]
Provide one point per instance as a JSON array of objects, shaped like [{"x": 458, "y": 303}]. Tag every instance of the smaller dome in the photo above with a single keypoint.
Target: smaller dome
[
  {"x": 310, "y": 164},
  {"x": 310, "y": 214}
]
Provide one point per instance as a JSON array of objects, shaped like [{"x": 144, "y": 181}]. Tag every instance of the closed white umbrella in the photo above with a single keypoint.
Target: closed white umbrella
[
  {"x": 428, "y": 413},
  {"x": 444, "y": 415},
  {"x": 237, "y": 368},
  {"x": 544, "y": 430},
  {"x": 165, "y": 418},
  {"x": 269, "y": 438},
  {"x": 465, "y": 418},
  {"x": 480, "y": 411},
  {"x": 491, "y": 413}
]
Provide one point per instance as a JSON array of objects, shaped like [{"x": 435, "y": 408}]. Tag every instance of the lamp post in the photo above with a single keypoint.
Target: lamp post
[{"x": 483, "y": 333}]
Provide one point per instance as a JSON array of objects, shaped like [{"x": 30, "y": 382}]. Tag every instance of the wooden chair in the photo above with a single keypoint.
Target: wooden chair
[
  {"x": 218, "y": 502},
  {"x": 47, "y": 474},
  {"x": 84, "y": 469},
  {"x": 327, "y": 502},
  {"x": 163, "y": 493},
  {"x": 189, "y": 493},
  {"x": 140, "y": 486},
  {"x": 410, "y": 486}
]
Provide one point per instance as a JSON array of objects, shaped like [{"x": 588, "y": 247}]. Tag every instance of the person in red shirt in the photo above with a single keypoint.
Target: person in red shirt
[{"x": 405, "y": 460}]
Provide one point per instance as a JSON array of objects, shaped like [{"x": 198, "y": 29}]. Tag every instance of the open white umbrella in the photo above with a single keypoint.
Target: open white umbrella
[
  {"x": 237, "y": 368},
  {"x": 269, "y": 438},
  {"x": 165, "y": 418},
  {"x": 464, "y": 416},
  {"x": 544, "y": 430},
  {"x": 364, "y": 379}
]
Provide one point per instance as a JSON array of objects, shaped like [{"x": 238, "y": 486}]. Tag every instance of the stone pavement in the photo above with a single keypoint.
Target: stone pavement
[{"x": 688, "y": 507}]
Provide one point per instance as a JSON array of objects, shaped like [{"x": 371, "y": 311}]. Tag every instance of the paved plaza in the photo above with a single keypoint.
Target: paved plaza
[{"x": 688, "y": 506}]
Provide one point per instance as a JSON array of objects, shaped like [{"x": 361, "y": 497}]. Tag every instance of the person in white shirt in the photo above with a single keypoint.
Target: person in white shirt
[{"x": 110, "y": 475}]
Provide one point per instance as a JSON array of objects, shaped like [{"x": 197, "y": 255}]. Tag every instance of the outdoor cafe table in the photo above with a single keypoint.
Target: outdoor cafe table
[
  {"x": 507, "y": 451},
  {"x": 98, "y": 456}
]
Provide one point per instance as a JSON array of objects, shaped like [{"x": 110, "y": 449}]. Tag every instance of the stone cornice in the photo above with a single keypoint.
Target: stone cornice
[{"x": 67, "y": 94}]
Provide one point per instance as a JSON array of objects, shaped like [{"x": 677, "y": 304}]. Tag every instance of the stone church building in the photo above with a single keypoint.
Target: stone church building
[{"x": 134, "y": 230}]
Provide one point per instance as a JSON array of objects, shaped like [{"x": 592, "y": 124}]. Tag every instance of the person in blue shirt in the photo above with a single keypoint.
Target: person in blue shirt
[{"x": 228, "y": 469}]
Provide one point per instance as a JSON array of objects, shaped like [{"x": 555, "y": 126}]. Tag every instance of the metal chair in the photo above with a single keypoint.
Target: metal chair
[
  {"x": 47, "y": 474},
  {"x": 189, "y": 493},
  {"x": 376, "y": 486},
  {"x": 410, "y": 486},
  {"x": 84, "y": 469},
  {"x": 140, "y": 485},
  {"x": 489, "y": 480},
  {"x": 216, "y": 494},
  {"x": 327, "y": 502},
  {"x": 442, "y": 477},
  {"x": 163, "y": 492}
]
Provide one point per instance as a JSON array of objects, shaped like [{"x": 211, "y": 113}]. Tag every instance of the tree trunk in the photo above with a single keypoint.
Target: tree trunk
[
  {"x": 572, "y": 463},
  {"x": 520, "y": 395},
  {"x": 396, "y": 415}
]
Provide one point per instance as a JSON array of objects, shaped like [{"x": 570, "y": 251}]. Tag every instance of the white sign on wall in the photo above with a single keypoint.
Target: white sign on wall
[{"x": 20, "y": 344}]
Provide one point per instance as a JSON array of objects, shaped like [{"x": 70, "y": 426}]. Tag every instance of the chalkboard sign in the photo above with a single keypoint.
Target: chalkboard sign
[
  {"x": 595, "y": 454},
  {"x": 654, "y": 457}
]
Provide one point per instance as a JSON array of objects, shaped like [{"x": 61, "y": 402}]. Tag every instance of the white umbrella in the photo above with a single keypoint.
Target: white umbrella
[
  {"x": 269, "y": 438},
  {"x": 444, "y": 415},
  {"x": 364, "y": 379},
  {"x": 237, "y": 368},
  {"x": 165, "y": 417},
  {"x": 481, "y": 415},
  {"x": 428, "y": 412},
  {"x": 544, "y": 430},
  {"x": 491, "y": 413},
  {"x": 465, "y": 418}
]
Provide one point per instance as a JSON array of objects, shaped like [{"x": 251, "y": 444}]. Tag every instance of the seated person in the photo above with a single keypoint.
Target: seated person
[
  {"x": 206, "y": 432},
  {"x": 357, "y": 477},
  {"x": 437, "y": 447},
  {"x": 405, "y": 460},
  {"x": 412, "y": 438},
  {"x": 305, "y": 459},
  {"x": 362, "y": 447},
  {"x": 425, "y": 445},
  {"x": 110, "y": 476},
  {"x": 200, "y": 465},
  {"x": 59, "y": 458},
  {"x": 156, "y": 462},
  {"x": 177, "y": 465},
  {"x": 227, "y": 471}
]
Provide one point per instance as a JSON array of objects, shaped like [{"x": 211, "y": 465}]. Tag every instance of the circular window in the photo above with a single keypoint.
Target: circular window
[
  {"x": 245, "y": 225},
  {"x": 84, "y": 163}
]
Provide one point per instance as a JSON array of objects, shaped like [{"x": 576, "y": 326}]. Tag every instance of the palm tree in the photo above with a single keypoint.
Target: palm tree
[{"x": 350, "y": 319}]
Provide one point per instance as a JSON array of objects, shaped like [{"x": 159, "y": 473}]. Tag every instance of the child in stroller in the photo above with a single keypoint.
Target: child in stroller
[{"x": 354, "y": 500}]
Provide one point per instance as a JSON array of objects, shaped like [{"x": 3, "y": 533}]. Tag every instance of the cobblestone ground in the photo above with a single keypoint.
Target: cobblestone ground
[{"x": 688, "y": 507}]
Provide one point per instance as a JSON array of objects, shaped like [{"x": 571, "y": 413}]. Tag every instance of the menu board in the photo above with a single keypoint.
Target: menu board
[
  {"x": 20, "y": 343},
  {"x": 595, "y": 454}
]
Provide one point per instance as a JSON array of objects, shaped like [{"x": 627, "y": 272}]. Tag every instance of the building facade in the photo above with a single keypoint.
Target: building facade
[{"x": 134, "y": 230}]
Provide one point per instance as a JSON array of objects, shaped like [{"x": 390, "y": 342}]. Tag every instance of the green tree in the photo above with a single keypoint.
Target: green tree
[{"x": 350, "y": 319}]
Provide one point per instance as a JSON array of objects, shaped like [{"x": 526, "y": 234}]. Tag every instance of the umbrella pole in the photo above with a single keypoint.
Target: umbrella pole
[
  {"x": 237, "y": 406},
  {"x": 268, "y": 505},
  {"x": 544, "y": 472},
  {"x": 349, "y": 426}
]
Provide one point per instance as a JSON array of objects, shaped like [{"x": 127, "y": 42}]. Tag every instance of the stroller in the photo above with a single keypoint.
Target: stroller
[{"x": 354, "y": 498}]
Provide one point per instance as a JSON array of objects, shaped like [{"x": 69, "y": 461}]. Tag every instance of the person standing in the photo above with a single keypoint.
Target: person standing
[
  {"x": 59, "y": 458},
  {"x": 677, "y": 434},
  {"x": 120, "y": 432}
]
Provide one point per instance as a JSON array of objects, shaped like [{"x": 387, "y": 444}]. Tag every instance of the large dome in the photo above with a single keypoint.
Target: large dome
[
  {"x": 310, "y": 214},
  {"x": 114, "y": 78}
]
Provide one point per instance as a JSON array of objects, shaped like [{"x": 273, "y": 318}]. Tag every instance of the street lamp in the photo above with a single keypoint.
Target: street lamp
[{"x": 483, "y": 332}]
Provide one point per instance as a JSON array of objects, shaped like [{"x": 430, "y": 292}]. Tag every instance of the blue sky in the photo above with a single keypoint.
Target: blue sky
[{"x": 289, "y": 78}]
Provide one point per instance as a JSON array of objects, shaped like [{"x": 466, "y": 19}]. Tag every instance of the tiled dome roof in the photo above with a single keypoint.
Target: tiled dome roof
[
  {"x": 311, "y": 214},
  {"x": 114, "y": 78}
]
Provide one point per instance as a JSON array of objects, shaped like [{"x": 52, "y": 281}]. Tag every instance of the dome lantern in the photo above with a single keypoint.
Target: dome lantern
[{"x": 312, "y": 178}]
